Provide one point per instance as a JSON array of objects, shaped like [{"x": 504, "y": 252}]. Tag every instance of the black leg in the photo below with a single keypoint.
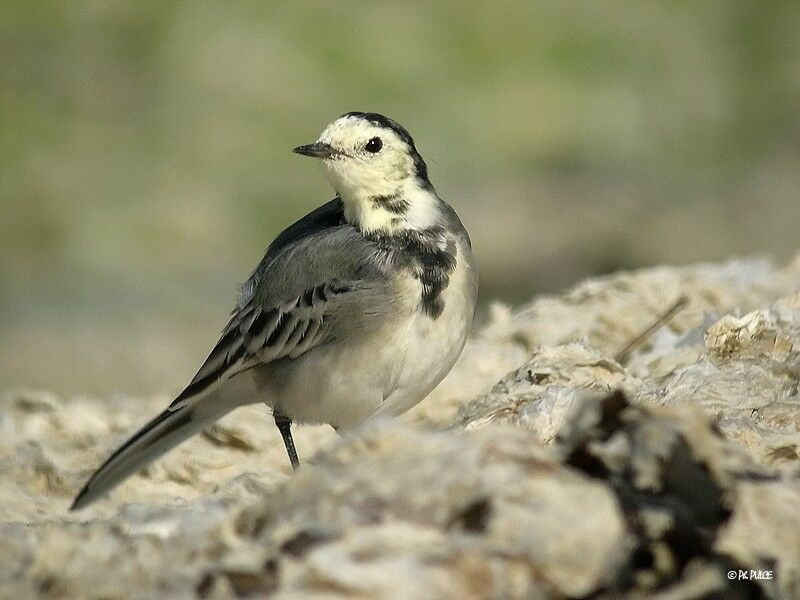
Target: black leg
[{"x": 284, "y": 424}]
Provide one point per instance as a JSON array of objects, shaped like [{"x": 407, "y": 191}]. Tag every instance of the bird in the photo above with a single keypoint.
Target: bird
[{"x": 359, "y": 309}]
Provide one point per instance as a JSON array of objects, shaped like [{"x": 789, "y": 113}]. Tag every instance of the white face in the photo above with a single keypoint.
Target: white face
[
  {"x": 370, "y": 166},
  {"x": 368, "y": 161}
]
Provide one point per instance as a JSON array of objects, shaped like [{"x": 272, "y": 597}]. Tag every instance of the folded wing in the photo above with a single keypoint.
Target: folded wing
[
  {"x": 293, "y": 302},
  {"x": 258, "y": 334}
]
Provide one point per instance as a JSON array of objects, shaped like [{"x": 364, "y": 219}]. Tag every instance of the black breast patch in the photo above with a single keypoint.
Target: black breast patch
[{"x": 429, "y": 255}]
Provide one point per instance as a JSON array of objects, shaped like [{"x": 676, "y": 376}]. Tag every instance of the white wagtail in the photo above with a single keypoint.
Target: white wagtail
[{"x": 359, "y": 308}]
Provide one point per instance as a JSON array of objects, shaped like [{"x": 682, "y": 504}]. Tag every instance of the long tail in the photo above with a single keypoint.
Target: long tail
[{"x": 159, "y": 436}]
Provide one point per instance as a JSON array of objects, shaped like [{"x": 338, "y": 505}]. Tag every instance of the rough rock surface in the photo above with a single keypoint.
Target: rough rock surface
[{"x": 542, "y": 467}]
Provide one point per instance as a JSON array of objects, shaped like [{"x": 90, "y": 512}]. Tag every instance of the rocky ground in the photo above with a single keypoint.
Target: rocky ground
[{"x": 549, "y": 464}]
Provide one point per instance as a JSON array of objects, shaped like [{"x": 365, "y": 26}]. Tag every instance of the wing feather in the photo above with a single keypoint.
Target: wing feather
[
  {"x": 309, "y": 340},
  {"x": 259, "y": 334}
]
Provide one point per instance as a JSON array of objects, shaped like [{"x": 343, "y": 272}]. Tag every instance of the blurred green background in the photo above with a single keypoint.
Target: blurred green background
[{"x": 145, "y": 152}]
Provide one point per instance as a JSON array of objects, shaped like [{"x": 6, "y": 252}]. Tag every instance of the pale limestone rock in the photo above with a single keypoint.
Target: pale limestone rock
[
  {"x": 542, "y": 393},
  {"x": 393, "y": 504}
]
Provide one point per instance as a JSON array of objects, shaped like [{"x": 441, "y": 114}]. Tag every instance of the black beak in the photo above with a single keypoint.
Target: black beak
[{"x": 316, "y": 150}]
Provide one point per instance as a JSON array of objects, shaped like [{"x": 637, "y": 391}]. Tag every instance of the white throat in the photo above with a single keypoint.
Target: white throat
[{"x": 409, "y": 206}]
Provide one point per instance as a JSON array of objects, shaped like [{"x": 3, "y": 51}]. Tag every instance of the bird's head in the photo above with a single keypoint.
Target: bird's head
[{"x": 372, "y": 163}]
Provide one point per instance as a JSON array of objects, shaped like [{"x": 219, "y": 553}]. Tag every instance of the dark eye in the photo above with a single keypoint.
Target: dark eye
[{"x": 374, "y": 145}]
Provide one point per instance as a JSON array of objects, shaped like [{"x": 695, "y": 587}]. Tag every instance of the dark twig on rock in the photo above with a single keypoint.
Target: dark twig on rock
[{"x": 623, "y": 356}]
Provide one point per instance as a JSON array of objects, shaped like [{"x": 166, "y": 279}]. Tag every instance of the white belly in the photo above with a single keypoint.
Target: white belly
[{"x": 433, "y": 347}]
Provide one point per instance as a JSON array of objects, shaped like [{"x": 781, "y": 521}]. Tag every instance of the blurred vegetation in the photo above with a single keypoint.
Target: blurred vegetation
[{"x": 145, "y": 164}]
